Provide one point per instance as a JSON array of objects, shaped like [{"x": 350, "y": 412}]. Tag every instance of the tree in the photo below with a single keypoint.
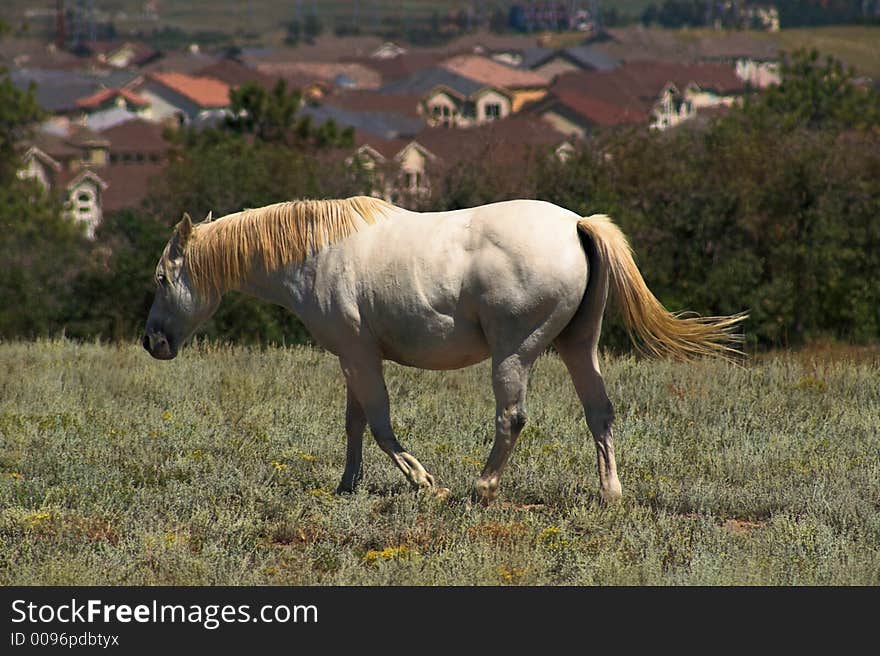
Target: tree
[
  {"x": 272, "y": 117},
  {"x": 19, "y": 111},
  {"x": 40, "y": 248},
  {"x": 268, "y": 115},
  {"x": 817, "y": 95},
  {"x": 294, "y": 33},
  {"x": 312, "y": 28}
]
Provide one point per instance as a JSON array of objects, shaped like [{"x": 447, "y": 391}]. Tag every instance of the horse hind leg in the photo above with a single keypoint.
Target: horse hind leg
[
  {"x": 355, "y": 424},
  {"x": 367, "y": 384},
  {"x": 580, "y": 357},
  {"x": 509, "y": 382}
]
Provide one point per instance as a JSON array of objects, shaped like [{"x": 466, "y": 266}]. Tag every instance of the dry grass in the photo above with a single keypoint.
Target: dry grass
[{"x": 219, "y": 467}]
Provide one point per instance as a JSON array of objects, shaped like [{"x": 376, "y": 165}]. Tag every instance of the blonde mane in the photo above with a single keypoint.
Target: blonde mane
[{"x": 220, "y": 253}]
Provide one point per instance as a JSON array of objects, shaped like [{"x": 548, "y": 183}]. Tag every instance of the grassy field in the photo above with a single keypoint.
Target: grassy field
[
  {"x": 856, "y": 45},
  {"x": 219, "y": 468}
]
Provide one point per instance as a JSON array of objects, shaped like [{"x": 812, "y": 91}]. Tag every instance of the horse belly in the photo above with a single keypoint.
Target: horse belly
[
  {"x": 423, "y": 321},
  {"x": 434, "y": 341}
]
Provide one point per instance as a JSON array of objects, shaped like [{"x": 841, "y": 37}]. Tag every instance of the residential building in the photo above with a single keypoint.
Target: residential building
[
  {"x": 185, "y": 98},
  {"x": 521, "y": 85},
  {"x": 111, "y": 98},
  {"x": 659, "y": 95},
  {"x": 550, "y": 63},
  {"x": 404, "y": 168},
  {"x": 119, "y": 54},
  {"x": 96, "y": 173}
]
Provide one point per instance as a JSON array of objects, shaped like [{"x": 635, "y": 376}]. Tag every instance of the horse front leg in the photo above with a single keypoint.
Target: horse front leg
[
  {"x": 509, "y": 381},
  {"x": 366, "y": 383},
  {"x": 355, "y": 423}
]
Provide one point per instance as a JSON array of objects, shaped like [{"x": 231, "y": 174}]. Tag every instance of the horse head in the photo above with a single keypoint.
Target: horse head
[{"x": 178, "y": 306}]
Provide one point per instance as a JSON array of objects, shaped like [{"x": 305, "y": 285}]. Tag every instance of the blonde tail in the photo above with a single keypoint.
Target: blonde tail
[{"x": 651, "y": 326}]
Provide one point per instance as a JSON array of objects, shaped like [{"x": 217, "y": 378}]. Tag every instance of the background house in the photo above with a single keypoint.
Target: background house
[
  {"x": 183, "y": 97},
  {"x": 92, "y": 173},
  {"x": 656, "y": 94},
  {"x": 552, "y": 62}
]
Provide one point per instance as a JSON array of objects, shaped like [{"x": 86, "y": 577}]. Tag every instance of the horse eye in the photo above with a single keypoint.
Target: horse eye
[{"x": 161, "y": 279}]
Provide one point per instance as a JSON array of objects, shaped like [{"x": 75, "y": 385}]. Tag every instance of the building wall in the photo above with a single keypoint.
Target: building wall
[
  {"x": 413, "y": 170},
  {"x": 36, "y": 170},
  {"x": 564, "y": 125},
  {"x": 492, "y": 98},
  {"x": 95, "y": 157},
  {"x": 122, "y": 57},
  {"x": 165, "y": 103},
  {"x": 84, "y": 204},
  {"x": 523, "y": 96},
  {"x": 444, "y": 103},
  {"x": 670, "y": 110},
  {"x": 759, "y": 74},
  {"x": 701, "y": 99}
]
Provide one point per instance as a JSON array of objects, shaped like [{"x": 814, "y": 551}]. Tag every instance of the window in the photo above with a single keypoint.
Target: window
[
  {"x": 84, "y": 202},
  {"x": 493, "y": 111},
  {"x": 441, "y": 114}
]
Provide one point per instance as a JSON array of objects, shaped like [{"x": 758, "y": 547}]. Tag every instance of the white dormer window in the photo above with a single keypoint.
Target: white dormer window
[{"x": 84, "y": 206}]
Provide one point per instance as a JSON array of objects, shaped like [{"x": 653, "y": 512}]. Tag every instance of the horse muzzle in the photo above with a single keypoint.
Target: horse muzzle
[{"x": 158, "y": 346}]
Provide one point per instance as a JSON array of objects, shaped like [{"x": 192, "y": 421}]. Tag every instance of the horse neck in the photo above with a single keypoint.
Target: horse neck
[{"x": 288, "y": 285}]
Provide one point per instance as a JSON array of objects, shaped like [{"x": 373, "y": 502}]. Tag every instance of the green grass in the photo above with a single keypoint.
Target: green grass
[{"x": 219, "y": 468}]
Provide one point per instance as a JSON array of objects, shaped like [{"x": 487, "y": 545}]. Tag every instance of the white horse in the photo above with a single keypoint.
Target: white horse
[{"x": 436, "y": 290}]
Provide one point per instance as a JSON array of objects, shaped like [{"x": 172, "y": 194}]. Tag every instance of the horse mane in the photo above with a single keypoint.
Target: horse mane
[{"x": 220, "y": 253}]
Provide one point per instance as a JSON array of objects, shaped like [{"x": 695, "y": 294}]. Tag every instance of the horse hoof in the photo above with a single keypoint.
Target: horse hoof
[
  {"x": 610, "y": 495},
  {"x": 441, "y": 493}
]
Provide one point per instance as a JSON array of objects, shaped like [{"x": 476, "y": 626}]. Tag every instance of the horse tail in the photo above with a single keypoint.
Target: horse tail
[{"x": 651, "y": 327}]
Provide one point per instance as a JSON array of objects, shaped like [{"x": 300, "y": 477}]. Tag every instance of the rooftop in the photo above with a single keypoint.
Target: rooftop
[
  {"x": 136, "y": 136},
  {"x": 104, "y": 95},
  {"x": 431, "y": 78},
  {"x": 361, "y": 76},
  {"x": 491, "y": 73},
  {"x": 384, "y": 125},
  {"x": 586, "y": 57},
  {"x": 628, "y": 93},
  {"x": 203, "y": 91},
  {"x": 370, "y": 101}
]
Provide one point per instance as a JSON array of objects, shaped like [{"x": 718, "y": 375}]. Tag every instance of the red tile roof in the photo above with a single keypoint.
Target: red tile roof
[
  {"x": 102, "y": 96},
  {"x": 507, "y": 139},
  {"x": 137, "y": 136},
  {"x": 601, "y": 112},
  {"x": 388, "y": 148},
  {"x": 489, "y": 72},
  {"x": 204, "y": 91},
  {"x": 127, "y": 184},
  {"x": 401, "y": 66},
  {"x": 370, "y": 101},
  {"x": 628, "y": 93}
]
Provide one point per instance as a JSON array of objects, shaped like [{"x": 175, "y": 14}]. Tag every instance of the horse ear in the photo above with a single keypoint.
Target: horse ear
[
  {"x": 182, "y": 233},
  {"x": 210, "y": 216},
  {"x": 184, "y": 229}
]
